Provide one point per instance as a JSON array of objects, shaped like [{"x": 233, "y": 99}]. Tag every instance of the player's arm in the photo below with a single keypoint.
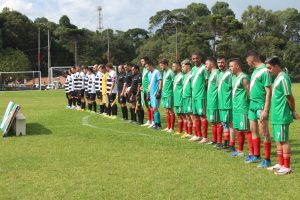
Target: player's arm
[
  {"x": 246, "y": 85},
  {"x": 291, "y": 102},
  {"x": 265, "y": 113},
  {"x": 113, "y": 85}
]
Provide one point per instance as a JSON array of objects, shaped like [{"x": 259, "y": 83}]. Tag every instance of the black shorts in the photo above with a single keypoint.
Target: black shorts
[
  {"x": 92, "y": 96},
  {"x": 99, "y": 94},
  {"x": 127, "y": 98},
  {"x": 88, "y": 95},
  {"x": 72, "y": 94},
  {"x": 121, "y": 99},
  {"x": 67, "y": 95},
  {"x": 112, "y": 97}
]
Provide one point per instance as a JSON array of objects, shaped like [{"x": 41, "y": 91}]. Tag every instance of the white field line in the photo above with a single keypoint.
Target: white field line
[{"x": 85, "y": 122}]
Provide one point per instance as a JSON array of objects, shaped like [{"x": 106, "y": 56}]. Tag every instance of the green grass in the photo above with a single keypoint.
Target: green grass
[{"x": 61, "y": 158}]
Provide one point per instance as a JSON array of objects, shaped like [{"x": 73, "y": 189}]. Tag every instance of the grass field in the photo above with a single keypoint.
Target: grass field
[{"x": 69, "y": 154}]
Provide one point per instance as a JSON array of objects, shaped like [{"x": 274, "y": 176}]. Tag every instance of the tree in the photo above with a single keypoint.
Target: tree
[
  {"x": 222, "y": 8},
  {"x": 64, "y": 21}
]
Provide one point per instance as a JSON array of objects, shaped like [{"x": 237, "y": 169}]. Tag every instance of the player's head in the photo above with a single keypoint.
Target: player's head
[
  {"x": 144, "y": 60},
  {"x": 109, "y": 67},
  {"x": 176, "y": 67},
  {"x": 186, "y": 66},
  {"x": 127, "y": 67},
  {"x": 121, "y": 69},
  {"x": 77, "y": 68},
  {"x": 102, "y": 68},
  {"x": 150, "y": 65},
  {"x": 210, "y": 63},
  {"x": 164, "y": 64},
  {"x": 135, "y": 69},
  {"x": 221, "y": 62},
  {"x": 196, "y": 58},
  {"x": 89, "y": 70},
  {"x": 95, "y": 68},
  {"x": 273, "y": 65},
  {"x": 235, "y": 65},
  {"x": 73, "y": 70},
  {"x": 252, "y": 57},
  {"x": 85, "y": 69},
  {"x": 65, "y": 74}
]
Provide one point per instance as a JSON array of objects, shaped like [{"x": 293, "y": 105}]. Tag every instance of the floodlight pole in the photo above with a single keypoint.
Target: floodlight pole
[
  {"x": 39, "y": 52},
  {"x": 49, "y": 59}
]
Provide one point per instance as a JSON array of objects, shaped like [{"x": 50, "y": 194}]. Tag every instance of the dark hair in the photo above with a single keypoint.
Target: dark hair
[
  {"x": 102, "y": 66},
  {"x": 90, "y": 69},
  {"x": 196, "y": 54},
  {"x": 109, "y": 65},
  {"x": 136, "y": 67},
  {"x": 236, "y": 60},
  {"x": 150, "y": 63},
  {"x": 273, "y": 60},
  {"x": 85, "y": 67},
  {"x": 220, "y": 57},
  {"x": 164, "y": 61},
  {"x": 212, "y": 59},
  {"x": 145, "y": 58},
  {"x": 252, "y": 53},
  {"x": 177, "y": 63}
]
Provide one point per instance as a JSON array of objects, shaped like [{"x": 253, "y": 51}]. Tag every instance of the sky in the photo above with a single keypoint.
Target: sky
[{"x": 123, "y": 14}]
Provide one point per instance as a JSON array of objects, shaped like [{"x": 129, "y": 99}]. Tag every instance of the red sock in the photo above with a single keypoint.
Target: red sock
[
  {"x": 204, "y": 125},
  {"x": 267, "y": 150},
  {"x": 168, "y": 120},
  {"x": 180, "y": 125},
  {"x": 185, "y": 125},
  {"x": 249, "y": 141},
  {"x": 226, "y": 134},
  {"x": 198, "y": 128},
  {"x": 190, "y": 130},
  {"x": 280, "y": 157},
  {"x": 152, "y": 115},
  {"x": 287, "y": 160},
  {"x": 172, "y": 116},
  {"x": 195, "y": 128},
  {"x": 214, "y": 133},
  {"x": 149, "y": 115},
  {"x": 256, "y": 146},
  {"x": 241, "y": 139},
  {"x": 219, "y": 133},
  {"x": 232, "y": 143}
]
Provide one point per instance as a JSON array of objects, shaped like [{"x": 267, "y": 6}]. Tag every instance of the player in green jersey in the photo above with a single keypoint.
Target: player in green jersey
[
  {"x": 144, "y": 90},
  {"x": 187, "y": 97},
  {"x": 240, "y": 107},
  {"x": 212, "y": 112},
  {"x": 177, "y": 95},
  {"x": 283, "y": 112},
  {"x": 225, "y": 103},
  {"x": 199, "y": 82},
  {"x": 260, "y": 99},
  {"x": 167, "y": 94}
]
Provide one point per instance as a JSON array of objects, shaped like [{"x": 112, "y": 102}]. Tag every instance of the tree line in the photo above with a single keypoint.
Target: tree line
[{"x": 172, "y": 34}]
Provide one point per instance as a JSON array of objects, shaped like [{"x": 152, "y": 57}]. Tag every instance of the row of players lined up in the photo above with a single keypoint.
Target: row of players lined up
[{"x": 218, "y": 93}]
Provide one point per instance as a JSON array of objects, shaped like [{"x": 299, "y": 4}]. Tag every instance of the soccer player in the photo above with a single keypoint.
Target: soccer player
[
  {"x": 187, "y": 98},
  {"x": 199, "y": 81},
  {"x": 212, "y": 111},
  {"x": 103, "y": 90},
  {"x": 177, "y": 95},
  {"x": 167, "y": 94},
  {"x": 85, "y": 86},
  {"x": 72, "y": 87},
  {"x": 240, "y": 107},
  {"x": 154, "y": 93},
  {"x": 67, "y": 80},
  {"x": 135, "y": 95},
  {"x": 260, "y": 98},
  {"x": 283, "y": 112},
  {"x": 120, "y": 84},
  {"x": 127, "y": 83},
  {"x": 91, "y": 90},
  {"x": 225, "y": 104},
  {"x": 111, "y": 91},
  {"x": 98, "y": 77},
  {"x": 79, "y": 87},
  {"x": 144, "y": 90}
]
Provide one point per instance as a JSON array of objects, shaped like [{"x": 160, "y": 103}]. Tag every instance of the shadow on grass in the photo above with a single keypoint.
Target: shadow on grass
[{"x": 37, "y": 129}]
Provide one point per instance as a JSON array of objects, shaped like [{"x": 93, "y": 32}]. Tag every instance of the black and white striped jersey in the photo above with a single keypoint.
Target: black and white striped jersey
[
  {"x": 86, "y": 82},
  {"x": 72, "y": 83},
  {"x": 97, "y": 80},
  {"x": 111, "y": 78},
  {"x": 67, "y": 80},
  {"x": 91, "y": 84},
  {"x": 79, "y": 80}
]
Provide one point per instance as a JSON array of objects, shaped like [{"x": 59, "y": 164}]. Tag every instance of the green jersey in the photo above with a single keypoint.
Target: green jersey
[
  {"x": 240, "y": 101},
  {"x": 281, "y": 112},
  {"x": 224, "y": 90},
  {"x": 199, "y": 77},
  {"x": 177, "y": 89},
  {"x": 145, "y": 80},
  {"x": 168, "y": 78},
  {"x": 259, "y": 80},
  {"x": 212, "y": 90},
  {"x": 187, "y": 86}
]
